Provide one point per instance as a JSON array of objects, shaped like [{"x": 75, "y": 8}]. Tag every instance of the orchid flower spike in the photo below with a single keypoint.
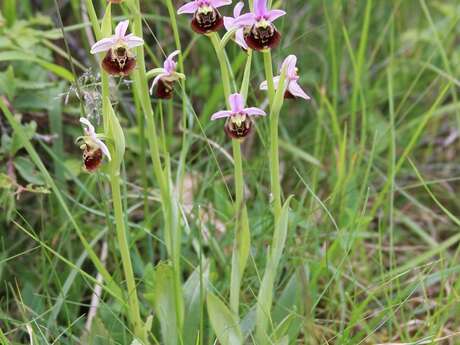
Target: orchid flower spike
[
  {"x": 119, "y": 60},
  {"x": 165, "y": 77},
  {"x": 206, "y": 17},
  {"x": 292, "y": 88},
  {"x": 239, "y": 123},
  {"x": 229, "y": 23},
  {"x": 261, "y": 33},
  {"x": 93, "y": 148}
]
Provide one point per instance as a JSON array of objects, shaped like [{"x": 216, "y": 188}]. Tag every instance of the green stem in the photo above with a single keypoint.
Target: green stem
[
  {"x": 172, "y": 229},
  {"x": 239, "y": 209},
  {"x": 133, "y": 303},
  {"x": 268, "y": 65},
  {"x": 274, "y": 140},
  {"x": 215, "y": 40},
  {"x": 143, "y": 160},
  {"x": 180, "y": 60}
]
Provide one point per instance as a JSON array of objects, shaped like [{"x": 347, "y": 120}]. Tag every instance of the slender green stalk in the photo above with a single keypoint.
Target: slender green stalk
[
  {"x": 223, "y": 65},
  {"x": 180, "y": 60},
  {"x": 133, "y": 303},
  {"x": 274, "y": 140},
  {"x": 143, "y": 160},
  {"x": 268, "y": 65},
  {"x": 172, "y": 228}
]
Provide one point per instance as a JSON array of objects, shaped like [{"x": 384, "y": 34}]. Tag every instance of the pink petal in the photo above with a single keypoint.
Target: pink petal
[
  {"x": 156, "y": 80},
  {"x": 264, "y": 84},
  {"x": 238, "y": 8},
  {"x": 290, "y": 63},
  {"x": 229, "y": 23},
  {"x": 103, "y": 45},
  {"x": 260, "y": 7},
  {"x": 89, "y": 127},
  {"x": 169, "y": 64},
  {"x": 191, "y": 7},
  {"x": 133, "y": 41},
  {"x": 236, "y": 102},
  {"x": 297, "y": 91},
  {"x": 173, "y": 55},
  {"x": 254, "y": 111},
  {"x": 220, "y": 3},
  {"x": 274, "y": 14},
  {"x": 103, "y": 148},
  {"x": 239, "y": 39},
  {"x": 245, "y": 20},
  {"x": 121, "y": 29},
  {"x": 221, "y": 114}
]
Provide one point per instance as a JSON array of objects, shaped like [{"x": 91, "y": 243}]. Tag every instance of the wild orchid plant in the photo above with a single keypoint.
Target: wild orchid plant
[{"x": 124, "y": 57}]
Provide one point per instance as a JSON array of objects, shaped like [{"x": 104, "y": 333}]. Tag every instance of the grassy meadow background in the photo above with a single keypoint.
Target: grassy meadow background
[{"x": 372, "y": 253}]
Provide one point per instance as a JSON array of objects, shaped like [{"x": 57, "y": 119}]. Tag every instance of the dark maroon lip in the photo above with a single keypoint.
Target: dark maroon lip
[
  {"x": 164, "y": 89},
  {"x": 119, "y": 64},
  {"x": 92, "y": 158},
  {"x": 289, "y": 95},
  {"x": 205, "y": 25},
  {"x": 235, "y": 132},
  {"x": 262, "y": 38}
]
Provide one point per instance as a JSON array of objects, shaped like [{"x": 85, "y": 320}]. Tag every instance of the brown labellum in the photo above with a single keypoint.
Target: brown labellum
[
  {"x": 92, "y": 158},
  {"x": 260, "y": 37},
  {"x": 206, "y": 21},
  {"x": 119, "y": 62},
  {"x": 165, "y": 89},
  {"x": 288, "y": 95},
  {"x": 238, "y": 131}
]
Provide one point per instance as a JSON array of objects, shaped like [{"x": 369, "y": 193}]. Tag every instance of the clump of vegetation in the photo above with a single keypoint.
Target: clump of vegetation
[{"x": 318, "y": 208}]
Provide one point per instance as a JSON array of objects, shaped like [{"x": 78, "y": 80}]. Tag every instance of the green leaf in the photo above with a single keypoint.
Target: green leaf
[
  {"x": 3, "y": 339},
  {"x": 299, "y": 153},
  {"x": 265, "y": 297},
  {"x": 164, "y": 302},
  {"x": 17, "y": 143},
  {"x": 224, "y": 322},
  {"x": 53, "y": 68},
  {"x": 115, "y": 133},
  {"x": 98, "y": 335},
  {"x": 8, "y": 83},
  {"x": 192, "y": 290},
  {"x": 106, "y": 26},
  {"x": 28, "y": 172},
  {"x": 246, "y": 76},
  {"x": 73, "y": 167},
  {"x": 9, "y": 9}
]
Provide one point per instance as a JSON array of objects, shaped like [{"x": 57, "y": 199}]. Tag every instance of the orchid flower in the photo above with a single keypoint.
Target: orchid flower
[
  {"x": 206, "y": 17},
  {"x": 292, "y": 88},
  {"x": 229, "y": 23},
  {"x": 93, "y": 148},
  {"x": 119, "y": 60},
  {"x": 239, "y": 123},
  {"x": 262, "y": 33},
  {"x": 165, "y": 77}
]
